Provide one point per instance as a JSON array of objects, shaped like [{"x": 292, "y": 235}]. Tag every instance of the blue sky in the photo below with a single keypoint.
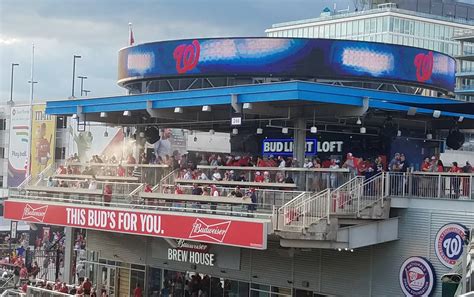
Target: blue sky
[{"x": 96, "y": 30}]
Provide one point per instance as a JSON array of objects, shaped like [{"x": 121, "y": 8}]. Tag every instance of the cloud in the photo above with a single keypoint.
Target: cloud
[{"x": 96, "y": 30}]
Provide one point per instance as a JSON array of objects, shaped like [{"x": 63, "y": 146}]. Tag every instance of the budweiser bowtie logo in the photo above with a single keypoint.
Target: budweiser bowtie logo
[
  {"x": 214, "y": 232},
  {"x": 37, "y": 214}
]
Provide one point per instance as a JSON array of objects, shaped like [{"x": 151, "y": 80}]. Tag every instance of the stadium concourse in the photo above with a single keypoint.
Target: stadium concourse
[{"x": 325, "y": 190}]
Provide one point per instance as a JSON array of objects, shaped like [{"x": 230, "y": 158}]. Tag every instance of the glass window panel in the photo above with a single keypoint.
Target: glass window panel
[
  {"x": 373, "y": 25},
  {"x": 305, "y": 32},
  {"x": 361, "y": 26},
  {"x": 300, "y": 33},
  {"x": 321, "y": 32},
  {"x": 431, "y": 44},
  {"x": 396, "y": 25},
  {"x": 332, "y": 31},
  {"x": 378, "y": 38},
  {"x": 402, "y": 26},
  {"x": 417, "y": 28},
  {"x": 343, "y": 29},
  {"x": 379, "y": 27},
  {"x": 385, "y": 23},
  {"x": 326, "y": 31},
  {"x": 391, "y": 24},
  {"x": 338, "y": 30},
  {"x": 355, "y": 28},
  {"x": 366, "y": 26},
  {"x": 437, "y": 32},
  {"x": 285, "y": 33}
]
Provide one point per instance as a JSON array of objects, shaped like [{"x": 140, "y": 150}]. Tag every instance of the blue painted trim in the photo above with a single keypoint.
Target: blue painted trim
[{"x": 272, "y": 92}]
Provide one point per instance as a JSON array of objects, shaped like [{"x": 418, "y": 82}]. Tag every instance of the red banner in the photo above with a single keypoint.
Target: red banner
[{"x": 241, "y": 233}]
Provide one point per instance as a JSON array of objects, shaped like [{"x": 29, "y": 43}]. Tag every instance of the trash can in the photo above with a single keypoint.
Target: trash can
[{"x": 449, "y": 284}]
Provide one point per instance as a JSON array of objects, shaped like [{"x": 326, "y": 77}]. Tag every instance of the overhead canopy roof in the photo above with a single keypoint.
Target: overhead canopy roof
[{"x": 278, "y": 95}]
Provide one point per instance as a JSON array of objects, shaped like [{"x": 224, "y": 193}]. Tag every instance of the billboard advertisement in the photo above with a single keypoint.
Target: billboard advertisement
[
  {"x": 19, "y": 145},
  {"x": 288, "y": 58},
  {"x": 43, "y": 139},
  {"x": 214, "y": 229}
]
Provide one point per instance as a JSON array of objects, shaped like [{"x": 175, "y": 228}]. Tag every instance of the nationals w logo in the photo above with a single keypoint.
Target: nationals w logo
[{"x": 187, "y": 56}]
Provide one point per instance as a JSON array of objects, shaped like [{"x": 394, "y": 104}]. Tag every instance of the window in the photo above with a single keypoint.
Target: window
[
  {"x": 61, "y": 122},
  {"x": 2, "y": 152},
  {"x": 379, "y": 25},
  {"x": 326, "y": 31},
  {"x": 343, "y": 29},
  {"x": 3, "y": 124},
  {"x": 373, "y": 25},
  {"x": 300, "y": 33},
  {"x": 305, "y": 32},
  {"x": 361, "y": 26},
  {"x": 60, "y": 153},
  {"x": 332, "y": 31},
  {"x": 396, "y": 25},
  {"x": 321, "y": 32}
]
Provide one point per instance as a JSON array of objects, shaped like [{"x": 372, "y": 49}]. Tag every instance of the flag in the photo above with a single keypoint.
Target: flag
[{"x": 131, "y": 39}]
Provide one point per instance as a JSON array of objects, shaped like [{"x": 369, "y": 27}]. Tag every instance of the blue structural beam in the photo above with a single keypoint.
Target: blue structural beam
[{"x": 271, "y": 92}]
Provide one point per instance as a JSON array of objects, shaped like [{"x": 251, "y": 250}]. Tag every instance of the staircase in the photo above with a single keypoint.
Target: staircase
[{"x": 319, "y": 216}]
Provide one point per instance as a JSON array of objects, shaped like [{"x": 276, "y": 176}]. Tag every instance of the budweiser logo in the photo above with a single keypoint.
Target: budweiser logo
[
  {"x": 192, "y": 246},
  {"x": 36, "y": 214},
  {"x": 215, "y": 232}
]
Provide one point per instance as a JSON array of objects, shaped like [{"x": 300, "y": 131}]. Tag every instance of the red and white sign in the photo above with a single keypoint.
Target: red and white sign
[{"x": 241, "y": 233}]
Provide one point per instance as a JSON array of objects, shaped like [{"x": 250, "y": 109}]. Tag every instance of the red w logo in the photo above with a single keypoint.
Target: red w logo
[
  {"x": 424, "y": 66},
  {"x": 187, "y": 56}
]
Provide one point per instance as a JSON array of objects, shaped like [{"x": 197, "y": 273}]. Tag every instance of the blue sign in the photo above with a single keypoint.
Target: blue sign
[
  {"x": 287, "y": 58},
  {"x": 417, "y": 277},
  {"x": 449, "y": 243}
]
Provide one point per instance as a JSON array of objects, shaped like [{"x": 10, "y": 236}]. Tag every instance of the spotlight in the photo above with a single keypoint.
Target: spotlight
[
  {"x": 429, "y": 136},
  {"x": 352, "y": 250},
  {"x": 206, "y": 108},
  {"x": 399, "y": 133},
  {"x": 284, "y": 130},
  {"x": 103, "y": 114},
  {"x": 461, "y": 118},
  {"x": 313, "y": 129},
  {"x": 363, "y": 130},
  {"x": 74, "y": 116},
  {"x": 436, "y": 114},
  {"x": 178, "y": 110},
  {"x": 212, "y": 131},
  {"x": 455, "y": 140},
  {"x": 339, "y": 249},
  {"x": 127, "y": 113},
  {"x": 142, "y": 134},
  {"x": 359, "y": 122},
  {"x": 235, "y": 131},
  {"x": 247, "y": 106},
  {"x": 259, "y": 131}
]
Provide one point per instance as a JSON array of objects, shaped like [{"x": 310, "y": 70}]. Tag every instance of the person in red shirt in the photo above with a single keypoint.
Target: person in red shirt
[
  {"x": 147, "y": 189},
  {"x": 259, "y": 177},
  {"x": 23, "y": 272},
  {"x": 120, "y": 171},
  {"x": 455, "y": 180},
  {"x": 87, "y": 285},
  {"x": 178, "y": 191},
  {"x": 362, "y": 167},
  {"x": 426, "y": 166},
  {"x": 439, "y": 166},
  {"x": 107, "y": 195},
  {"x": 64, "y": 288},
  {"x": 138, "y": 291}
]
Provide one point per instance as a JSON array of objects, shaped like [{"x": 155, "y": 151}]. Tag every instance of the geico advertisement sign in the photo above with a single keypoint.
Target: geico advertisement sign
[
  {"x": 313, "y": 146},
  {"x": 242, "y": 233}
]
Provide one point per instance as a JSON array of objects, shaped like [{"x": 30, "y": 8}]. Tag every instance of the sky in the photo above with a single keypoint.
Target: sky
[{"x": 96, "y": 30}]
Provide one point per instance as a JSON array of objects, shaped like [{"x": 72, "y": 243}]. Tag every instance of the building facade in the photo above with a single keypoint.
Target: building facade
[{"x": 387, "y": 24}]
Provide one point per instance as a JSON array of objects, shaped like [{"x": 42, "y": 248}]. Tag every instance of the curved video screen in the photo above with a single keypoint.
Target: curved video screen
[{"x": 288, "y": 58}]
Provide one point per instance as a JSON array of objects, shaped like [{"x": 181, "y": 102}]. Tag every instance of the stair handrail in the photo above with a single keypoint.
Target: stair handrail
[{"x": 162, "y": 180}]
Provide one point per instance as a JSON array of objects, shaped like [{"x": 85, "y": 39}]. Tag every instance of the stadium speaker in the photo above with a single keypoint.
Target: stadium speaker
[
  {"x": 455, "y": 140},
  {"x": 152, "y": 134},
  {"x": 389, "y": 129}
]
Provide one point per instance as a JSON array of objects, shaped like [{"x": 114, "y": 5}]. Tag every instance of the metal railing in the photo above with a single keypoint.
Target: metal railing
[
  {"x": 236, "y": 209},
  {"x": 306, "y": 179},
  {"x": 41, "y": 292},
  {"x": 303, "y": 211},
  {"x": 442, "y": 185}
]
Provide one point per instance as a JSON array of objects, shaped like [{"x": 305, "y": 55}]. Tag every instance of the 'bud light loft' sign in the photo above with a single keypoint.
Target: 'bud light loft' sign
[{"x": 284, "y": 147}]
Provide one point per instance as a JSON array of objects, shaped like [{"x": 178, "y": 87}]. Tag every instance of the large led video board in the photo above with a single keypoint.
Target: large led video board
[{"x": 288, "y": 58}]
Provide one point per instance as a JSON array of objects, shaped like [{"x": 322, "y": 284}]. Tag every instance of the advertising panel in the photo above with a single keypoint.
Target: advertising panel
[
  {"x": 241, "y": 233},
  {"x": 288, "y": 57},
  {"x": 19, "y": 145},
  {"x": 43, "y": 139},
  {"x": 284, "y": 147}
]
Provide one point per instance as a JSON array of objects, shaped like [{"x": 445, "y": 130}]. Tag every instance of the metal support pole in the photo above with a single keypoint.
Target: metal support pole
[{"x": 68, "y": 255}]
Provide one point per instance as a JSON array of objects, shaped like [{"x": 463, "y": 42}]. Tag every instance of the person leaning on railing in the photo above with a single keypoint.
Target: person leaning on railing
[{"x": 455, "y": 180}]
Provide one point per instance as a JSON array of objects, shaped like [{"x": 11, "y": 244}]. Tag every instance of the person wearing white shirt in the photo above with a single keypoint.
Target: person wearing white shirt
[
  {"x": 203, "y": 176},
  {"x": 308, "y": 164},
  {"x": 282, "y": 162},
  {"x": 216, "y": 175},
  {"x": 93, "y": 185}
]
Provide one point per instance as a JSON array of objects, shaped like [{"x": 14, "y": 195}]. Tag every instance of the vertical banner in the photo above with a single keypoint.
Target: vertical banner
[
  {"x": 13, "y": 229},
  {"x": 43, "y": 139},
  {"x": 19, "y": 145}
]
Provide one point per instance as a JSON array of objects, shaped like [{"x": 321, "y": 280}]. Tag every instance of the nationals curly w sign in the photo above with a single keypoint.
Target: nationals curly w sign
[{"x": 242, "y": 233}]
